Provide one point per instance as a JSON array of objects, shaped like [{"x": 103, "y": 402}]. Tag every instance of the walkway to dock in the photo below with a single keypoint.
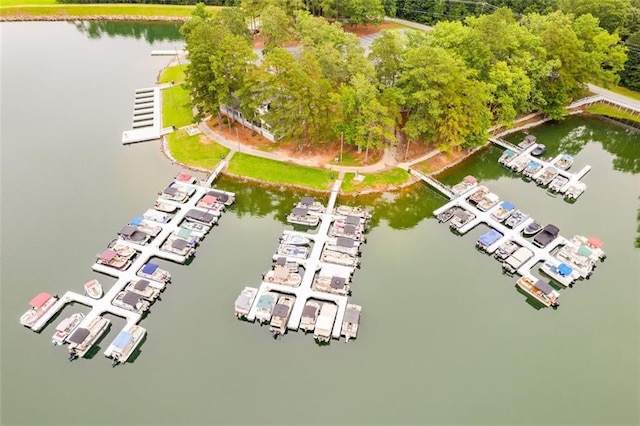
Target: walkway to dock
[
  {"x": 311, "y": 265},
  {"x": 147, "y": 116},
  {"x": 442, "y": 188},
  {"x": 507, "y": 145}
]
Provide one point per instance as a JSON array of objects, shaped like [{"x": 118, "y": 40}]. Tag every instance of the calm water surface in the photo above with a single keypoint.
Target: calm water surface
[{"x": 445, "y": 337}]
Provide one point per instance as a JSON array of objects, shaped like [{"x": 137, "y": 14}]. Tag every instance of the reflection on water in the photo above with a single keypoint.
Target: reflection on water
[{"x": 151, "y": 32}]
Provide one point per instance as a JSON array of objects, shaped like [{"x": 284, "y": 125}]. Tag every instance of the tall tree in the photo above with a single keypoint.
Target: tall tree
[
  {"x": 386, "y": 54},
  {"x": 275, "y": 26},
  {"x": 365, "y": 11}
]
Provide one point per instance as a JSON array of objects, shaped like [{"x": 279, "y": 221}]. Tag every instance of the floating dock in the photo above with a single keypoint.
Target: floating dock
[
  {"x": 312, "y": 264},
  {"x": 147, "y": 116}
]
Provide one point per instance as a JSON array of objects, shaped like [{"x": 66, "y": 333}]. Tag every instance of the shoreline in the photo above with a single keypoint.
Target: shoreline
[{"x": 58, "y": 18}]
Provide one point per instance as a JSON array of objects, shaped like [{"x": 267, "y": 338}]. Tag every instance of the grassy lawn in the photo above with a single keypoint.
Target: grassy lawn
[
  {"x": 348, "y": 160},
  {"x": 612, "y": 112},
  {"x": 49, "y": 7},
  {"x": 192, "y": 152},
  {"x": 280, "y": 172},
  {"x": 395, "y": 176},
  {"x": 176, "y": 110}
]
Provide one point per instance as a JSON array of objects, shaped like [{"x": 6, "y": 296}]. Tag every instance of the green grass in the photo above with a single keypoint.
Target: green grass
[
  {"x": 280, "y": 172},
  {"x": 176, "y": 110},
  {"x": 612, "y": 112},
  {"x": 50, "y": 8},
  {"x": 393, "y": 177},
  {"x": 348, "y": 160},
  {"x": 190, "y": 151}
]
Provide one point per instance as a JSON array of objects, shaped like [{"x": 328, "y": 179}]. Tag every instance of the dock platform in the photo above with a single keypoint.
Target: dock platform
[{"x": 147, "y": 116}]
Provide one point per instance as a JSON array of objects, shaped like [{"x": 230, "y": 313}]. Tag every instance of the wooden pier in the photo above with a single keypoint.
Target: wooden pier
[
  {"x": 311, "y": 265},
  {"x": 147, "y": 116}
]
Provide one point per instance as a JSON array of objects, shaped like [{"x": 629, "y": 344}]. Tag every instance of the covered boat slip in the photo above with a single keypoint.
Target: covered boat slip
[{"x": 304, "y": 292}]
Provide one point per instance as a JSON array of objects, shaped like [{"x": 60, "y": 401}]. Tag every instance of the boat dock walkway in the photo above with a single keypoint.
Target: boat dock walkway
[
  {"x": 442, "y": 188},
  {"x": 312, "y": 264},
  {"x": 539, "y": 254},
  {"x": 506, "y": 145},
  {"x": 147, "y": 116}
]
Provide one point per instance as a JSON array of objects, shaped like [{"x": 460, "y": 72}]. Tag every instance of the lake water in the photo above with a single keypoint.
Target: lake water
[{"x": 445, "y": 337}]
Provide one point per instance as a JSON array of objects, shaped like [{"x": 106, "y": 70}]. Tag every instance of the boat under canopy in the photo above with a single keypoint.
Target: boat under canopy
[
  {"x": 149, "y": 268},
  {"x": 352, "y": 220},
  {"x": 307, "y": 201},
  {"x": 544, "y": 287},
  {"x": 583, "y": 251},
  {"x": 300, "y": 211},
  {"x": 108, "y": 255},
  {"x": 489, "y": 238},
  {"x": 40, "y": 300},
  {"x": 179, "y": 244},
  {"x": 130, "y": 298},
  {"x": 141, "y": 285},
  {"x": 338, "y": 283},
  {"x": 595, "y": 242},
  {"x": 345, "y": 242},
  {"x": 138, "y": 220},
  {"x": 122, "y": 339},
  {"x": 79, "y": 335}
]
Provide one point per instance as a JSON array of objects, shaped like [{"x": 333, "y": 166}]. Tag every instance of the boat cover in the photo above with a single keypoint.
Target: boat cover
[
  {"x": 141, "y": 285},
  {"x": 489, "y": 238},
  {"x": 170, "y": 190},
  {"x": 127, "y": 231},
  {"x": 281, "y": 311},
  {"x": 567, "y": 157},
  {"x": 350, "y": 230},
  {"x": 184, "y": 177},
  {"x": 79, "y": 335},
  {"x": 352, "y": 220},
  {"x": 64, "y": 324},
  {"x": 470, "y": 179},
  {"x": 337, "y": 282},
  {"x": 217, "y": 194},
  {"x": 131, "y": 298},
  {"x": 108, "y": 255},
  {"x": 266, "y": 301},
  {"x": 564, "y": 270},
  {"x": 184, "y": 233},
  {"x": 309, "y": 311},
  {"x": 307, "y": 201},
  {"x": 352, "y": 316},
  {"x": 242, "y": 301},
  {"x": 543, "y": 287},
  {"x": 345, "y": 242},
  {"x": 583, "y": 251},
  {"x": 507, "y": 206},
  {"x": 509, "y": 152},
  {"x": 595, "y": 242},
  {"x": 122, "y": 339},
  {"x": 179, "y": 244},
  {"x": 40, "y": 300},
  {"x": 533, "y": 164},
  {"x": 299, "y": 211},
  {"x": 208, "y": 199},
  {"x": 138, "y": 220},
  {"x": 281, "y": 261},
  {"x": 149, "y": 268}
]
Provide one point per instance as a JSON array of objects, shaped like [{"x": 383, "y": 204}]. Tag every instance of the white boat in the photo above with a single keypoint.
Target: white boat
[
  {"x": 564, "y": 162},
  {"x": 144, "y": 288},
  {"x": 332, "y": 284},
  {"x": 208, "y": 218},
  {"x": 112, "y": 259},
  {"x": 295, "y": 240},
  {"x": 195, "y": 227},
  {"x": 531, "y": 169},
  {"x": 122, "y": 249},
  {"x": 448, "y": 214},
  {"x": 489, "y": 201},
  {"x": 264, "y": 306},
  {"x": 325, "y": 322},
  {"x": 532, "y": 229},
  {"x": 478, "y": 195},
  {"x": 460, "y": 219},
  {"x": 153, "y": 272},
  {"x": 66, "y": 327},
  {"x": 244, "y": 301},
  {"x": 562, "y": 273},
  {"x": 309, "y": 316},
  {"x": 125, "y": 344},
  {"x": 130, "y": 233},
  {"x": 148, "y": 227},
  {"x": 574, "y": 191},
  {"x": 467, "y": 183},
  {"x": 180, "y": 246},
  {"x": 83, "y": 338},
  {"x": 349, "y": 231},
  {"x": 280, "y": 315},
  {"x": 176, "y": 192},
  {"x": 39, "y": 306},
  {"x": 209, "y": 202},
  {"x": 156, "y": 216},
  {"x": 344, "y": 245},
  {"x": 338, "y": 258},
  {"x": 539, "y": 290},
  {"x": 163, "y": 206},
  {"x": 506, "y": 249},
  {"x": 311, "y": 204},
  {"x": 527, "y": 142},
  {"x": 353, "y": 211},
  {"x": 517, "y": 259},
  {"x": 558, "y": 183},
  {"x": 519, "y": 163},
  {"x": 300, "y": 216},
  {"x": 547, "y": 176},
  {"x": 516, "y": 219},
  {"x": 507, "y": 156},
  {"x": 351, "y": 321},
  {"x": 282, "y": 275},
  {"x": 593, "y": 244},
  {"x": 131, "y": 301},
  {"x": 290, "y": 251},
  {"x": 223, "y": 197},
  {"x": 503, "y": 211},
  {"x": 93, "y": 289}
]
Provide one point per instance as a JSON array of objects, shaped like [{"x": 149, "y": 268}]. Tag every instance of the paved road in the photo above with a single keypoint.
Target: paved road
[
  {"x": 608, "y": 94},
  {"x": 409, "y": 24}
]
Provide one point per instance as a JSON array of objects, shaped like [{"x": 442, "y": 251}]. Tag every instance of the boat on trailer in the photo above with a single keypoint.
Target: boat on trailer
[
  {"x": 66, "y": 327},
  {"x": 539, "y": 290},
  {"x": 93, "y": 289},
  {"x": 39, "y": 306}
]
